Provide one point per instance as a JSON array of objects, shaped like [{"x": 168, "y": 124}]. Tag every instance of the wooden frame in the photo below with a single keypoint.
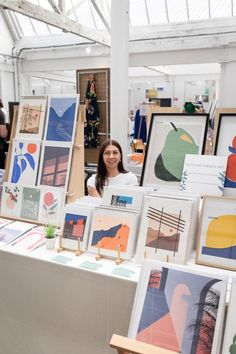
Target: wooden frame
[
  {"x": 216, "y": 234},
  {"x": 170, "y": 137},
  {"x": 230, "y": 326}
]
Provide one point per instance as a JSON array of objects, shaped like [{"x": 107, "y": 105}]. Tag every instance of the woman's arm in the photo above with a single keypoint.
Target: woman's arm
[
  {"x": 93, "y": 192},
  {"x": 3, "y": 131}
]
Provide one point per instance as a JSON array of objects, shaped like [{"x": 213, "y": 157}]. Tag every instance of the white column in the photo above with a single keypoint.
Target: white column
[
  {"x": 119, "y": 72},
  {"x": 227, "y": 85}
]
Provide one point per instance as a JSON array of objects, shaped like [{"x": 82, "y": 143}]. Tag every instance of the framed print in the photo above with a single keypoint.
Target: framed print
[
  {"x": 30, "y": 240},
  {"x": 204, "y": 174},
  {"x": 4, "y": 222},
  {"x": 24, "y": 162},
  {"x": 179, "y": 309},
  {"x": 11, "y": 200},
  {"x": 31, "y": 118},
  {"x": 12, "y": 231},
  {"x": 164, "y": 231},
  {"x": 170, "y": 138},
  {"x": 217, "y": 233},
  {"x": 229, "y": 343},
  {"x": 55, "y": 165},
  {"x": 226, "y": 146},
  {"x": 52, "y": 202},
  {"x": 113, "y": 232},
  {"x": 76, "y": 226},
  {"x": 61, "y": 118},
  {"x": 30, "y": 203}
]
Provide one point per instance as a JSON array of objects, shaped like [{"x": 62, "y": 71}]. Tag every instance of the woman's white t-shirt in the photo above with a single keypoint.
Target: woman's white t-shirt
[{"x": 123, "y": 179}]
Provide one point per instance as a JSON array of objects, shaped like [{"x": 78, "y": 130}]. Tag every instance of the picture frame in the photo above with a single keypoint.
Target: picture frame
[
  {"x": 171, "y": 308},
  {"x": 172, "y": 136},
  {"x": 225, "y": 145},
  {"x": 11, "y": 200},
  {"x": 31, "y": 240},
  {"x": 229, "y": 342},
  {"x": 24, "y": 161},
  {"x": 76, "y": 225},
  {"x": 216, "y": 245},
  {"x": 61, "y": 118},
  {"x": 13, "y": 230},
  {"x": 113, "y": 232},
  {"x": 165, "y": 229},
  {"x": 54, "y": 165},
  {"x": 204, "y": 174},
  {"x": 51, "y": 204},
  {"x": 31, "y": 117}
]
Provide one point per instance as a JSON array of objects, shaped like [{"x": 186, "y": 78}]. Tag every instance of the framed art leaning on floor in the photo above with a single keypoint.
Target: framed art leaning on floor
[{"x": 171, "y": 137}]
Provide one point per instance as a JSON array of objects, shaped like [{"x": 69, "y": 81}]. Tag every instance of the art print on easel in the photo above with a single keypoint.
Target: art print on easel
[
  {"x": 76, "y": 228},
  {"x": 61, "y": 118},
  {"x": 31, "y": 117},
  {"x": 55, "y": 165},
  {"x": 52, "y": 200},
  {"x": 171, "y": 137},
  {"x": 226, "y": 146},
  {"x": 11, "y": 200},
  {"x": 217, "y": 236},
  {"x": 30, "y": 203},
  {"x": 165, "y": 229},
  {"x": 179, "y": 309},
  {"x": 113, "y": 230},
  {"x": 31, "y": 240},
  {"x": 229, "y": 343},
  {"x": 24, "y": 162}
]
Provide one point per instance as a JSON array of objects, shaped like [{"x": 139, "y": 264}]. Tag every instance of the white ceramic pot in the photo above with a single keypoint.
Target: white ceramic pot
[{"x": 50, "y": 243}]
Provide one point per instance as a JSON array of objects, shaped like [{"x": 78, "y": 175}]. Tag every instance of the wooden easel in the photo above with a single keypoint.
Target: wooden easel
[{"x": 125, "y": 345}]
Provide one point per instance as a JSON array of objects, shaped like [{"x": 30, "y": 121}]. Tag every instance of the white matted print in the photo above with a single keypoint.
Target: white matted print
[
  {"x": 12, "y": 231},
  {"x": 179, "y": 308},
  {"x": 31, "y": 117},
  {"x": 55, "y": 165},
  {"x": 229, "y": 343},
  {"x": 51, "y": 204},
  {"x": 113, "y": 231},
  {"x": 24, "y": 161},
  {"x": 217, "y": 233},
  {"x": 226, "y": 146},
  {"x": 11, "y": 200},
  {"x": 76, "y": 226},
  {"x": 61, "y": 118},
  {"x": 30, "y": 240},
  {"x": 164, "y": 231},
  {"x": 204, "y": 174},
  {"x": 171, "y": 137}
]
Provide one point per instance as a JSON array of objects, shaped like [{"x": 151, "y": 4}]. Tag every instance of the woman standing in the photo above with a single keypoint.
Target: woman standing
[{"x": 110, "y": 170}]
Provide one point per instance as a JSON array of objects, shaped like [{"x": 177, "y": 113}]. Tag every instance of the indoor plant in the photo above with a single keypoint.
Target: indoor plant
[{"x": 50, "y": 236}]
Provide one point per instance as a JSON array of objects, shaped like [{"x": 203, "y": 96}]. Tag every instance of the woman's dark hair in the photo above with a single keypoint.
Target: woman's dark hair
[{"x": 101, "y": 168}]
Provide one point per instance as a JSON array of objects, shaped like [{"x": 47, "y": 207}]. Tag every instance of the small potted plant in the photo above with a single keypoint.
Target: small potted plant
[{"x": 50, "y": 236}]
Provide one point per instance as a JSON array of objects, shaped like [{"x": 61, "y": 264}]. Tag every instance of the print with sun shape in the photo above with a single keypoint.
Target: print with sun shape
[{"x": 51, "y": 203}]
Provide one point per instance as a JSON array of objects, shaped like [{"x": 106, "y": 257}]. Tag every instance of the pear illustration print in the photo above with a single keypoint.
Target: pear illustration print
[{"x": 169, "y": 163}]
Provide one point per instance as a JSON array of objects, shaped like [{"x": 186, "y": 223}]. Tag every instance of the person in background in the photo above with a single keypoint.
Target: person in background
[
  {"x": 3, "y": 135},
  {"x": 110, "y": 170}
]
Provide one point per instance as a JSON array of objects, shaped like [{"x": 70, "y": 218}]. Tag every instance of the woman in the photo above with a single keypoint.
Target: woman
[{"x": 110, "y": 170}]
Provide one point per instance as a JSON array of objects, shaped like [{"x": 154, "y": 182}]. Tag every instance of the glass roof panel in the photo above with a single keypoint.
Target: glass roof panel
[
  {"x": 157, "y": 11},
  {"x": 137, "y": 13},
  {"x": 198, "y": 10},
  {"x": 234, "y": 7},
  {"x": 40, "y": 27},
  {"x": 220, "y": 8},
  {"x": 25, "y": 25},
  {"x": 177, "y": 10}
]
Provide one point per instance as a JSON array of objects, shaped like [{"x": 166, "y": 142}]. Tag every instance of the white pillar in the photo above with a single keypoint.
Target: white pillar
[
  {"x": 227, "y": 85},
  {"x": 119, "y": 72}
]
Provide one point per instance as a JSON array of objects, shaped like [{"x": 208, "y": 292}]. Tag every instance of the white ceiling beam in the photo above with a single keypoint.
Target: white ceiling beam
[
  {"x": 61, "y": 4},
  {"x": 54, "y": 6},
  {"x": 10, "y": 23},
  {"x": 34, "y": 11},
  {"x": 100, "y": 14},
  {"x": 74, "y": 8},
  {"x": 54, "y": 77}
]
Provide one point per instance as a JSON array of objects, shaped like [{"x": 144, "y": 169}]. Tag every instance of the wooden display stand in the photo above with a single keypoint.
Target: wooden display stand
[
  {"x": 125, "y": 345},
  {"x": 156, "y": 109}
]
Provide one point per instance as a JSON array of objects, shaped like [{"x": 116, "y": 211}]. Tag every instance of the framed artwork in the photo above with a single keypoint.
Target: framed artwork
[
  {"x": 204, "y": 174},
  {"x": 171, "y": 137},
  {"x": 76, "y": 226},
  {"x": 30, "y": 203},
  {"x": 12, "y": 231},
  {"x": 229, "y": 343},
  {"x": 216, "y": 234},
  {"x": 52, "y": 202},
  {"x": 179, "y": 309},
  {"x": 113, "y": 231},
  {"x": 4, "y": 222},
  {"x": 164, "y": 232},
  {"x": 225, "y": 145},
  {"x": 24, "y": 162},
  {"x": 31, "y": 118},
  {"x": 61, "y": 118},
  {"x": 31, "y": 240},
  {"x": 55, "y": 165},
  {"x": 11, "y": 200}
]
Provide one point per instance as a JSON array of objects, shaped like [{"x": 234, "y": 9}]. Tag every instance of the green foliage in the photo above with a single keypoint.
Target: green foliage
[{"x": 50, "y": 231}]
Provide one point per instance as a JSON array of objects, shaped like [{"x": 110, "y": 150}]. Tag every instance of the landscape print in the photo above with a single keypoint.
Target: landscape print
[
  {"x": 180, "y": 311},
  {"x": 62, "y": 115},
  {"x": 30, "y": 203},
  {"x": 74, "y": 226}
]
